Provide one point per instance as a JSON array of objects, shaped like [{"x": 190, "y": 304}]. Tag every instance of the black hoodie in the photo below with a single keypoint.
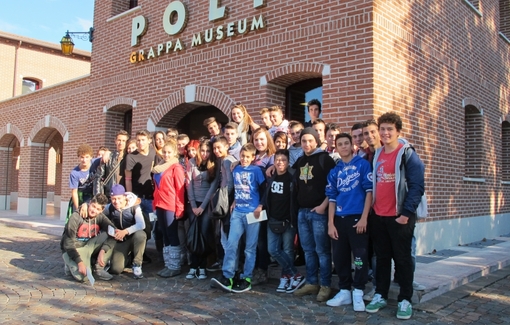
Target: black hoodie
[{"x": 312, "y": 177}]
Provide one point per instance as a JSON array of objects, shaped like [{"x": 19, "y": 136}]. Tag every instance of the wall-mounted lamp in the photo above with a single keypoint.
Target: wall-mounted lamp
[{"x": 67, "y": 44}]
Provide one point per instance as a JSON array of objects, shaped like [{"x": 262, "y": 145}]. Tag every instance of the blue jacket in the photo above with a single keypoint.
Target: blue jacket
[
  {"x": 348, "y": 184},
  {"x": 409, "y": 179}
]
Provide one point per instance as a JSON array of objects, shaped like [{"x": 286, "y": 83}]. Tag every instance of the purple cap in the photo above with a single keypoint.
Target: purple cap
[{"x": 118, "y": 189}]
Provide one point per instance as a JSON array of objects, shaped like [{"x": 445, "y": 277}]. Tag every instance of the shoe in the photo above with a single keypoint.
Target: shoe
[
  {"x": 201, "y": 274},
  {"x": 73, "y": 268},
  {"x": 137, "y": 271},
  {"x": 377, "y": 303},
  {"x": 223, "y": 283},
  {"x": 418, "y": 286},
  {"x": 259, "y": 276},
  {"x": 162, "y": 271},
  {"x": 357, "y": 300},
  {"x": 369, "y": 295},
  {"x": 405, "y": 310},
  {"x": 243, "y": 286},
  {"x": 102, "y": 274},
  {"x": 295, "y": 283},
  {"x": 284, "y": 284},
  {"x": 168, "y": 273},
  {"x": 215, "y": 267},
  {"x": 191, "y": 274},
  {"x": 307, "y": 289},
  {"x": 324, "y": 294},
  {"x": 273, "y": 264},
  {"x": 341, "y": 298}
]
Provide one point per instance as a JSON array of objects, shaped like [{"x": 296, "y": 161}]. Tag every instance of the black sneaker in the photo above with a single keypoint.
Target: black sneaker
[
  {"x": 215, "y": 267},
  {"x": 223, "y": 283},
  {"x": 243, "y": 286}
]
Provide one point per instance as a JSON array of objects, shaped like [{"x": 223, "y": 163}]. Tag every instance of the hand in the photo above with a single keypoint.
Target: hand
[
  {"x": 232, "y": 206},
  {"x": 82, "y": 268},
  {"x": 120, "y": 234},
  {"x": 197, "y": 211},
  {"x": 106, "y": 156},
  {"x": 319, "y": 209},
  {"x": 257, "y": 211},
  {"x": 361, "y": 226},
  {"x": 100, "y": 258},
  {"x": 270, "y": 171},
  {"x": 402, "y": 220},
  {"x": 84, "y": 211},
  {"x": 332, "y": 231}
]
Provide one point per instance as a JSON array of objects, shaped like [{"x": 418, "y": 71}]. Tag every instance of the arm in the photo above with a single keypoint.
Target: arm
[
  {"x": 212, "y": 189},
  {"x": 128, "y": 178},
  {"x": 76, "y": 200},
  {"x": 70, "y": 237},
  {"x": 361, "y": 225},
  {"x": 332, "y": 232},
  {"x": 179, "y": 184},
  {"x": 139, "y": 221},
  {"x": 415, "y": 179},
  {"x": 100, "y": 172},
  {"x": 191, "y": 193}
]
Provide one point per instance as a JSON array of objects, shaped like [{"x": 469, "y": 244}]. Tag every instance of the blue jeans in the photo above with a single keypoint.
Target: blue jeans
[
  {"x": 238, "y": 226},
  {"x": 313, "y": 233},
  {"x": 285, "y": 256}
]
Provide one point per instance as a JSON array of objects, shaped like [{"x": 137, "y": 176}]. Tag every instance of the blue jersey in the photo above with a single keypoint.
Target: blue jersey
[
  {"x": 348, "y": 184},
  {"x": 247, "y": 182}
]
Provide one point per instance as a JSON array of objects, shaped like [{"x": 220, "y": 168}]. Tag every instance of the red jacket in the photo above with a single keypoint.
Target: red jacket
[{"x": 169, "y": 190}]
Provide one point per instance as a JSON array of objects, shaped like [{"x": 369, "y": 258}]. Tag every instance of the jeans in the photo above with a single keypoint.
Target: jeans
[
  {"x": 238, "y": 226},
  {"x": 168, "y": 227},
  {"x": 135, "y": 244},
  {"x": 350, "y": 241},
  {"x": 285, "y": 256},
  {"x": 393, "y": 241},
  {"x": 316, "y": 243}
]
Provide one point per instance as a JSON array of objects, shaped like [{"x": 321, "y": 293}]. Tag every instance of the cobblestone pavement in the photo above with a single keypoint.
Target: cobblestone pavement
[{"x": 33, "y": 289}]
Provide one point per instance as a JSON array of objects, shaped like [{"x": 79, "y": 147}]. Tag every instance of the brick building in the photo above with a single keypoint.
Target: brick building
[{"x": 443, "y": 65}]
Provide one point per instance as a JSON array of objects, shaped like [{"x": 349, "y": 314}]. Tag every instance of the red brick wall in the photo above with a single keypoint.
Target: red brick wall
[{"x": 421, "y": 60}]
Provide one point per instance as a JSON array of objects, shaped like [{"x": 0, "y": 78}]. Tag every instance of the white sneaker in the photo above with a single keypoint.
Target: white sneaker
[
  {"x": 201, "y": 274},
  {"x": 137, "y": 271},
  {"x": 341, "y": 298},
  {"x": 191, "y": 274},
  {"x": 369, "y": 295},
  {"x": 357, "y": 300},
  {"x": 284, "y": 283}
]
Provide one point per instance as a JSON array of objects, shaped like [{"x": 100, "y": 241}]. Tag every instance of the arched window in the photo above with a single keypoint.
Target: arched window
[
  {"x": 30, "y": 85},
  {"x": 504, "y": 18},
  {"x": 473, "y": 143},
  {"x": 300, "y": 93},
  {"x": 505, "y": 145}
]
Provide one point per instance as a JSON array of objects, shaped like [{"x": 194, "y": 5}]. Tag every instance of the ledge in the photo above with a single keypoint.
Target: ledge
[
  {"x": 470, "y": 5},
  {"x": 122, "y": 14},
  {"x": 503, "y": 36},
  {"x": 472, "y": 179}
]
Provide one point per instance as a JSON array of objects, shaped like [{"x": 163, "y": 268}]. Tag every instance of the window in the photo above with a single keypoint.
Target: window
[
  {"x": 505, "y": 157},
  {"x": 298, "y": 95},
  {"x": 473, "y": 142},
  {"x": 504, "y": 18},
  {"x": 133, "y": 3},
  {"x": 30, "y": 85}
]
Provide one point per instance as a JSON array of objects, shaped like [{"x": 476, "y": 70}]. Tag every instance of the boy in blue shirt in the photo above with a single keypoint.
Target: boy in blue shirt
[
  {"x": 248, "y": 181},
  {"x": 349, "y": 191}
]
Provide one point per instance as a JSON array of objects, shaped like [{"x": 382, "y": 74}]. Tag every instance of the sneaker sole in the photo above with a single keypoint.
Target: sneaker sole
[
  {"x": 241, "y": 291},
  {"x": 404, "y": 317},
  {"x": 373, "y": 310},
  {"x": 335, "y": 304},
  {"x": 217, "y": 284},
  {"x": 281, "y": 290}
]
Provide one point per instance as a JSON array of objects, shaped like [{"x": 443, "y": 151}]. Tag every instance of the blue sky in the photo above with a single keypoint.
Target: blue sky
[{"x": 47, "y": 20}]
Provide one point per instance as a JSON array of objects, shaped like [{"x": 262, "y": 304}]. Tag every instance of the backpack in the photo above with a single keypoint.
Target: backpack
[{"x": 422, "y": 211}]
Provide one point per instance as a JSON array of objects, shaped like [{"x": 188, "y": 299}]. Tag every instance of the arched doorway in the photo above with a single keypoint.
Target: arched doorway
[
  {"x": 119, "y": 116},
  {"x": 189, "y": 118},
  {"x": 300, "y": 93},
  {"x": 9, "y": 168}
]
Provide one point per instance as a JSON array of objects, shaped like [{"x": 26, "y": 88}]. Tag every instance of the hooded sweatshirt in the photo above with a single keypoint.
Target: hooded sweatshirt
[
  {"x": 348, "y": 184},
  {"x": 78, "y": 231},
  {"x": 311, "y": 174}
]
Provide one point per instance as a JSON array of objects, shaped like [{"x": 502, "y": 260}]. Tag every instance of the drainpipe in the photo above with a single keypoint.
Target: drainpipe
[{"x": 15, "y": 79}]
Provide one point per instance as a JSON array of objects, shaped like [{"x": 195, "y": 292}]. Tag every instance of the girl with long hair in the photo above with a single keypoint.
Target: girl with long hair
[{"x": 245, "y": 123}]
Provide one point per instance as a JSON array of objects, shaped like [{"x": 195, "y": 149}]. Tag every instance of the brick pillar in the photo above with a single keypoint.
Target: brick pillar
[
  {"x": 32, "y": 180},
  {"x": 5, "y": 174}
]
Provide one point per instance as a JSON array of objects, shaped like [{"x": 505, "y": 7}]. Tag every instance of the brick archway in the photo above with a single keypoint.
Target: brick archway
[
  {"x": 12, "y": 130},
  {"x": 120, "y": 104},
  {"x": 294, "y": 72},
  {"x": 472, "y": 106},
  {"x": 46, "y": 125},
  {"x": 193, "y": 96}
]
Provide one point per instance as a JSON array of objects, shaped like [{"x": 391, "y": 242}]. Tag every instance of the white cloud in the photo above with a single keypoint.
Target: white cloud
[
  {"x": 85, "y": 24},
  {"x": 8, "y": 27}
]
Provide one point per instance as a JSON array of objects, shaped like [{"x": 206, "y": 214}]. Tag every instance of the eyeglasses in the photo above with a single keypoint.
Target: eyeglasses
[{"x": 281, "y": 160}]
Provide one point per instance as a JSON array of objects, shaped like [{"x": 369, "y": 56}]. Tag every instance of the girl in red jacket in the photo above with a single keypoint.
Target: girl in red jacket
[{"x": 169, "y": 205}]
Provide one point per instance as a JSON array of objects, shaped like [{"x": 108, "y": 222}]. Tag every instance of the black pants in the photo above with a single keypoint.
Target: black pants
[
  {"x": 349, "y": 241},
  {"x": 393, "y": 241},
  {"x": 205, "y": 224},
  {"x": 263, "y": 257}
]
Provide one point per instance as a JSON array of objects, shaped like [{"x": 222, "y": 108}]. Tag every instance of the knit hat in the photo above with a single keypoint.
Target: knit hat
[
  {"x": 118, "y": 189},
  {"x": 310, "y": 130}
]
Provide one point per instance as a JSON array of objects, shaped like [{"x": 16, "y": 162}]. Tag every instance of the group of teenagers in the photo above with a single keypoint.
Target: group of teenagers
[{"x": 347, "y": 199}]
